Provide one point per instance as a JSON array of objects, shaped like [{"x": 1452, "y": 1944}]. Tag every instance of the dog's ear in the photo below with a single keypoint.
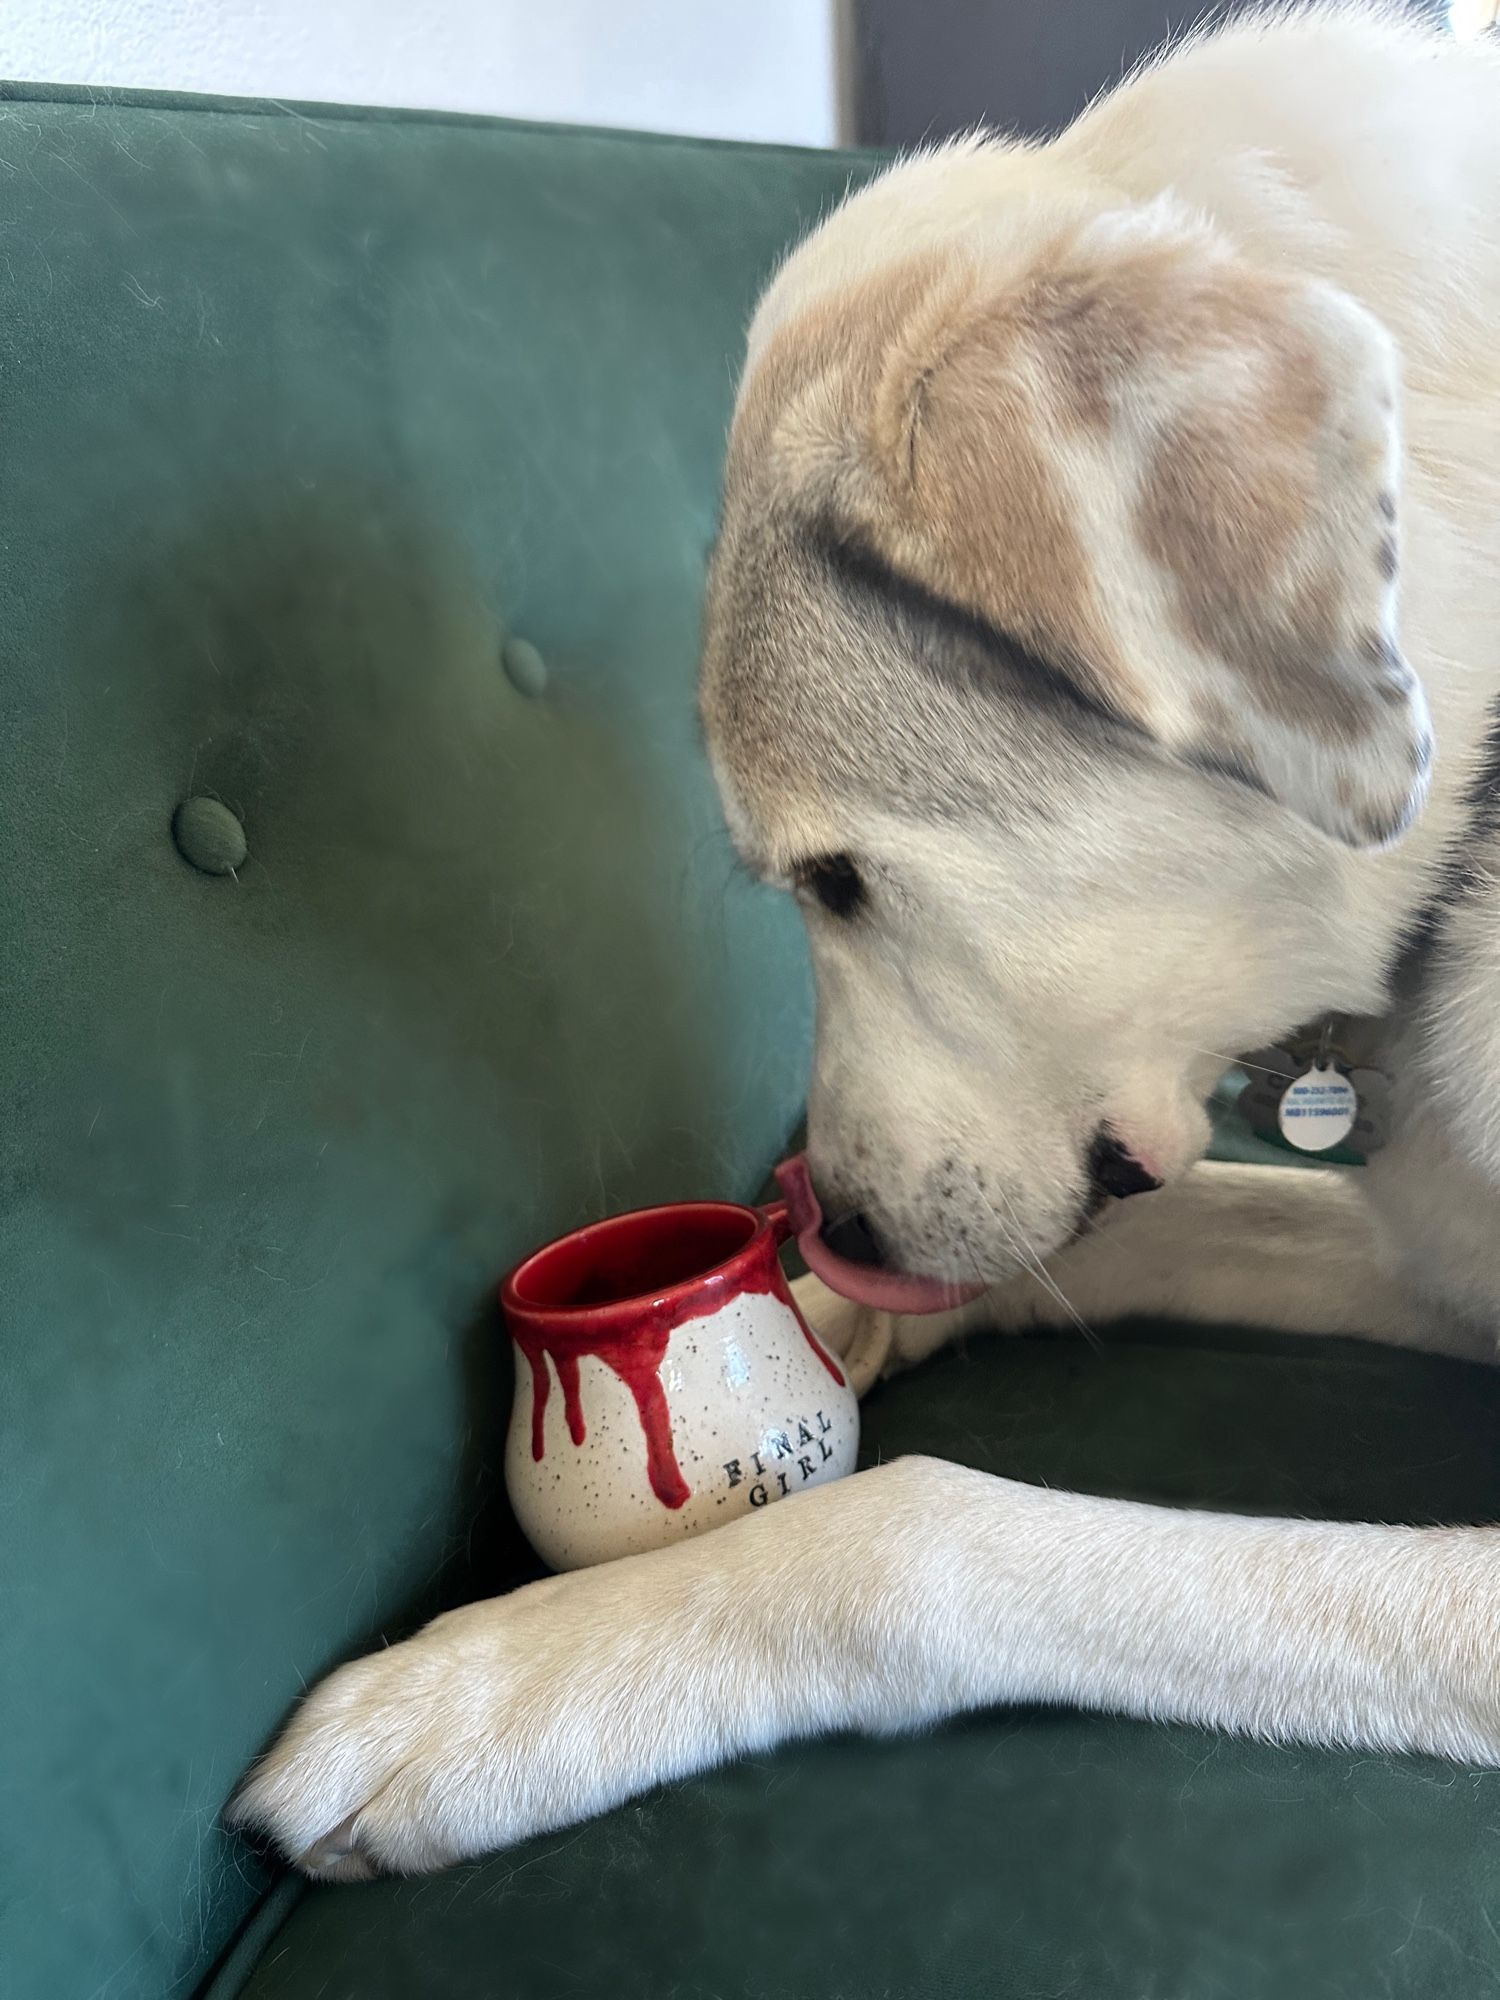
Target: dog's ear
[{"x": 1177, "y": 477}]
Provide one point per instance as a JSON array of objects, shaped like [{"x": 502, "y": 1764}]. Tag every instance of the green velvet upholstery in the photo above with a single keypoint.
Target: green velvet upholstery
[
  {"x": 302, "y": 415},
  {"x": 356, "y": 473}
]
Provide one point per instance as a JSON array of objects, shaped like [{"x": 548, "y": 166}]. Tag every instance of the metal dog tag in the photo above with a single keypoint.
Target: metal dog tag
[{"x": 1317, "y": 1109}]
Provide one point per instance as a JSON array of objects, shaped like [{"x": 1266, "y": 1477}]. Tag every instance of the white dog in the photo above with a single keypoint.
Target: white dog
[{"x": 1086, "y": 503}]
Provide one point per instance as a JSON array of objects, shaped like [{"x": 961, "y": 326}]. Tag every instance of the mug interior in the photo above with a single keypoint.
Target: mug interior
[{"x": 634, "y": 1257}]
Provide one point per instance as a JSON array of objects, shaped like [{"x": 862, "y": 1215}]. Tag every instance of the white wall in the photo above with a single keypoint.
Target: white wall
[{"x": 743, "y": 69}]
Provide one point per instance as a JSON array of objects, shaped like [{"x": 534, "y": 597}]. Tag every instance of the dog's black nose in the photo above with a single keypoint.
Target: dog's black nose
[
  {"x": 853, "y": 1239},
  {"x": 1114, "y": 1172}
]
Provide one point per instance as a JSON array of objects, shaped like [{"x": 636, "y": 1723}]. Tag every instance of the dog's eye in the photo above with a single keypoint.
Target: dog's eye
[{"x": 835, "y": 881}]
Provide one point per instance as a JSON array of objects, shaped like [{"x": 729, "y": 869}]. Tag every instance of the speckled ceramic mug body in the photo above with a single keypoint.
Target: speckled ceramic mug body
[{"x": 665, "y": 1383}]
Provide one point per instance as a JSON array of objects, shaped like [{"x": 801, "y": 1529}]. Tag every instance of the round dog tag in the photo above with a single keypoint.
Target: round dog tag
[{"x": 1317, "y": 1110}]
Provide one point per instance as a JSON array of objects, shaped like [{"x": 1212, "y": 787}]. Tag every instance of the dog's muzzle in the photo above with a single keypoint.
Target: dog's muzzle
[{"x": 849, "y": 1260}]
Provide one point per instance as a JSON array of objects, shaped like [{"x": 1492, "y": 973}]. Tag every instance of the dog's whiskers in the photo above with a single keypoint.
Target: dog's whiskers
[
  {"x": 1229, "y": 1062},
  {"x": 1014, "y": 1238},
  {"x": 1035, "y": 1268}
]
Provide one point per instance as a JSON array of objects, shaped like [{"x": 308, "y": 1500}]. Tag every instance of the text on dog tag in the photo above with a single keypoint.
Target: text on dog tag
[{"x": 1317, "y": 1110}]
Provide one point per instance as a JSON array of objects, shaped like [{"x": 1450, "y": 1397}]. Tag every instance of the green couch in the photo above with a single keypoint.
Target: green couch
[{"x": 356, "y": 476}]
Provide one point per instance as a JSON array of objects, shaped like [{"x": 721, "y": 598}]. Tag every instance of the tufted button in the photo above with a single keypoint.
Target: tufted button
[
  {"x": 209, "y": 836},
  {"x": 524, "y": 666}
]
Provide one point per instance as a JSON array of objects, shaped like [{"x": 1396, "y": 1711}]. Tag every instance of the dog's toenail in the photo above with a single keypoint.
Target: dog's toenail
[{"x": 337, "y": 1853}]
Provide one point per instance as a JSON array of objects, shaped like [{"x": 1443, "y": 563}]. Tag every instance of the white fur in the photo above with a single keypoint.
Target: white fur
[{"x": 1348, "y": 153}]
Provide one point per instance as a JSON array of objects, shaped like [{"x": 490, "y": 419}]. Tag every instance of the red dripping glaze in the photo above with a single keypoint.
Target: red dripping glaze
[
  {"x": 618, "y": 1290},
  {"x": 637, "y": 1361}
]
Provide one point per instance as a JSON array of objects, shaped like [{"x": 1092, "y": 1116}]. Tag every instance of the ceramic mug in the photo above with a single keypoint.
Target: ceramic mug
[{"x": 665, "y": 1382}]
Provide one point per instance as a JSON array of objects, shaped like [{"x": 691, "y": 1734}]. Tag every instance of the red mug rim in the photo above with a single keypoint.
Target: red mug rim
[{"x": 724, "y": 1275}]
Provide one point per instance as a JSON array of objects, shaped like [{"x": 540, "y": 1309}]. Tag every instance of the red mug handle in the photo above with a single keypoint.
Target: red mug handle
[{"x": 779, "y": 1216}]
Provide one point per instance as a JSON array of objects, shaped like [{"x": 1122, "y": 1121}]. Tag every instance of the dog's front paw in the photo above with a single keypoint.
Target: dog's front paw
[
  {"x": 514, "y": 1716},
  {"x": 415, "y": 1756}
]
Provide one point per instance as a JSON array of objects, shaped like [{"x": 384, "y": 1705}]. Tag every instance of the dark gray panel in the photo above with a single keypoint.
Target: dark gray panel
[{"x": 926, "y": 69}]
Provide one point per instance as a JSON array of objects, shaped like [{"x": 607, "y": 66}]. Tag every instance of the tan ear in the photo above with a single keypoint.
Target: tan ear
[
  {"x": 1178, "y": 476},
  {"x": 1270, "y": 509}
]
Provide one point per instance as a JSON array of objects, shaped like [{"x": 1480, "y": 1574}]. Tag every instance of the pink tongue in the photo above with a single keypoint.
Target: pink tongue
[{"x": 866, "y": 1284}]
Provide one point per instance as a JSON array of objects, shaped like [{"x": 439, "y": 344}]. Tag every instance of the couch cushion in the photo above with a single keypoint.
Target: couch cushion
[
  {"x": 303, "y": 415},
  {"x": 1026, "y": 1854}
]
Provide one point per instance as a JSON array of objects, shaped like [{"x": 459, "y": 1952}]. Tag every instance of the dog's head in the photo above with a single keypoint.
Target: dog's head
[{"x": 1051, "y": 660}]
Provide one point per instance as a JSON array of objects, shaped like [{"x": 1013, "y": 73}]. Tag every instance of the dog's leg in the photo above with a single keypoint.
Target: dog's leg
[
  {"x": 882, "y": 1602},
  {"x": 1289, "y": 1249}
]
